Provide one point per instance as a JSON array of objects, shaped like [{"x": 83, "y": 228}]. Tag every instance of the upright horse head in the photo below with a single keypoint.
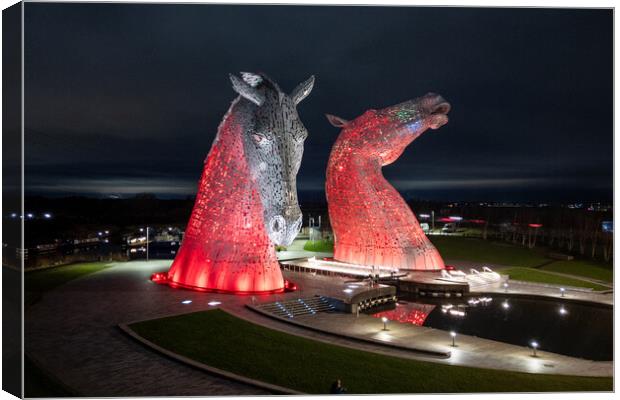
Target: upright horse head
[
  {"x": 247, "y": 195},
  {"x": 274, "y": 143}
]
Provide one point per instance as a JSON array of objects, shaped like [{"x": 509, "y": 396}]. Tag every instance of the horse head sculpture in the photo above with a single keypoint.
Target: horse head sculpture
[
  {"x": 372, "y": 223},
  {"x": 247, "y": 195}
]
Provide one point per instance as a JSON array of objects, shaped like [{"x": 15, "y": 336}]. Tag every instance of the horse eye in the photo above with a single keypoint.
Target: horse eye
[{"x": 260, "y": 139}]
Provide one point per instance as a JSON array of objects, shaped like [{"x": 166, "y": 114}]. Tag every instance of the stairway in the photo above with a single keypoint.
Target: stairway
[{"x": 297, "y": 307}]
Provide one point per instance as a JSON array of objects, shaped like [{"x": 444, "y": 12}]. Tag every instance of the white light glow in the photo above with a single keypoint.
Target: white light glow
[
  {"x": 186, "y": 302},
  {"x": 214, "y": 303}
]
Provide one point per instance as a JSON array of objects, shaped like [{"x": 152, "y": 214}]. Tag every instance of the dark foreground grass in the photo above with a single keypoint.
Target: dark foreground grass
[
  {"x": 485, "y": 251},
  {"x": 323, "y": 246},
  {"x": 589, "y": 269},
  {"x": 38, "y": 282},
  {"x": 226, "y": 342},
  {"x": 535, "y": 275}
]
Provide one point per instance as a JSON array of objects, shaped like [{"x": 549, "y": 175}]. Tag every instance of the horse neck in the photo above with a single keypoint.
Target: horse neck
[{"x": 357, "y": 182}]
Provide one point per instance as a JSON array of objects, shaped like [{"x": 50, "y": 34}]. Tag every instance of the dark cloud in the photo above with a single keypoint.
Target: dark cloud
[{"x": 125, "y": 98}]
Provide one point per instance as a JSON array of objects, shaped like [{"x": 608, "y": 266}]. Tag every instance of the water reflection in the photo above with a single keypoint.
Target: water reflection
[{"x": 574, "y": 329}]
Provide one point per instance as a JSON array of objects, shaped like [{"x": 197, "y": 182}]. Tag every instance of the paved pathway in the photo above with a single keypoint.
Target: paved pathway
[{"x": 72, "y": 332}]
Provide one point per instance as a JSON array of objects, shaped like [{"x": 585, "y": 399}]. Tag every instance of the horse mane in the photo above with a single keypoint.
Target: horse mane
[{"x": 226, "y": 246}]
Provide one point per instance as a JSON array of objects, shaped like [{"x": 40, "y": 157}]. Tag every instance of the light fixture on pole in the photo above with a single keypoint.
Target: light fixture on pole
[
  {"x": 385, "y": 320},
  {"x": 534, "y": 345},
  {"x": 453, "y": 334}
]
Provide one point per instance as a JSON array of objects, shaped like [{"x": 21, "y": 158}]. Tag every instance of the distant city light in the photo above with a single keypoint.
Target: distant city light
[
  {"x": 13, "y": 215},
  {"x": 47, "y": 215},
  {"x": 30, "y": 215},
  {"x": 186, "y": 301},
  {"x": 141, "y": 229},
  {"x": 348, "y": 291},
  {"x": 107, "y": 232},
  {"x": 456, "y": 218},
  {"x": 424, "y": 216},
  {"x": 563, "y": 311},
  {"x": 506, "y": 305},
  {"x": 99, "y": 233},
  {"x": 214, "y": 303},
  {"x": 534, "y": 225}
]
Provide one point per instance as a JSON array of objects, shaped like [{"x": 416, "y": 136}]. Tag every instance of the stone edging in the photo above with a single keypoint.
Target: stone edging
[
  {"x": 204, "y": 367},
  {"x": 426, "y": 352}
]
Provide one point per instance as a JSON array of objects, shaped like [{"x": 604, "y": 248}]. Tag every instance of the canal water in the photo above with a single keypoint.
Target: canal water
[{"x": 563, "y": 327}]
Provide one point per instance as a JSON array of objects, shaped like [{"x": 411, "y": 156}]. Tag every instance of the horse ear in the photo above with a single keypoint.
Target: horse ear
[
  {"x": 336, "y": 121},
  {"x": 246, "y": 91},
  {"x": 302, "y": 90}
]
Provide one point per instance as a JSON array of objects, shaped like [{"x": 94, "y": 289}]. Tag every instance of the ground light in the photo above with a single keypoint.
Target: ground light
[
  {"x": 534, "y": 345},
  {"x": 562, "y": 291},
  {"x": 506, "y": 287},
  {"x": 385, "y": 320},
  {"x": 186, "y": 302},
  {"x": 214, "y": 303},
  {"x": 563, "y": 311},
  {"x": 453, "y": 334},
  {"x": 506, "y": 305}
]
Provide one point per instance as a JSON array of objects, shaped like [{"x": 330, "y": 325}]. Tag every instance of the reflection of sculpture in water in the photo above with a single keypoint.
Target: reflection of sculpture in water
[
  {"x": 372, "y": 223},
  {"x": 412, "y": 313},
  {"x": 247, "y": 195}
]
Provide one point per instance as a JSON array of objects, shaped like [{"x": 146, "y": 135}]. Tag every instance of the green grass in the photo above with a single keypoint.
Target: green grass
[
  {"x": 536, "y": 275},
  {"x": 323, "y": 246},
  {"x": 471, "y": 249},
  {"x": 38, "y": 282},
  {"x": 226, "y": 342},
  {"x": 588, "y": 269}
]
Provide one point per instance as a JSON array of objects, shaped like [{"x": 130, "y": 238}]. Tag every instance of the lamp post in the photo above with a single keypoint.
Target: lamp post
[
  {"x": 453, "y": 334},
  {"x": 534, "y": 345},
  {"x": 385, "y": 320},
  {"x": 562, "y": 292}
]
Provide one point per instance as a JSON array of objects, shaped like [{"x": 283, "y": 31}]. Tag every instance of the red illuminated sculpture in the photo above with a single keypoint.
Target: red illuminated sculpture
[
  {"x": 372, "y": 223},
  {"x": 247, "y": 195}
]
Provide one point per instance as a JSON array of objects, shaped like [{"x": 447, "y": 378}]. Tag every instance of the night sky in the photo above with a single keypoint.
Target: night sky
[{"x": 126, "y": 98}]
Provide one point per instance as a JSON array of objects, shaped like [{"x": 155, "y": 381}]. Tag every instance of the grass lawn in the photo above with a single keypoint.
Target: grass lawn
[
  {"x": 323, "y": 246},
  {"x": 38, "y": 282},
  {"x": 536, "y": 275},
  {"x": 459, "y": 248},
  {"x": 226, "y": 342},
  {"x": 589, "y": 269}
]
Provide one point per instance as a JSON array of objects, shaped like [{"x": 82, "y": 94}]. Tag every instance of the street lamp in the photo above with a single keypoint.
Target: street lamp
[
  {"x": 453, "y": 334},
  {"x": 562, "y": 291},
  {"x": 534, "y": 345},
  {"x": 506, "y": 287},
  {"x": 385, "y": 320}
]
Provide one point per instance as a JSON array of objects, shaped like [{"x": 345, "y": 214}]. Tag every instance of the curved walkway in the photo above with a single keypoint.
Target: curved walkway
[{"x": 72, "y": 332}]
